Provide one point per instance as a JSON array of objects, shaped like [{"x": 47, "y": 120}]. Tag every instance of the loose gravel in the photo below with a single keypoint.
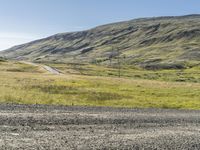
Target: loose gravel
[{"x": 36, "y": 127}]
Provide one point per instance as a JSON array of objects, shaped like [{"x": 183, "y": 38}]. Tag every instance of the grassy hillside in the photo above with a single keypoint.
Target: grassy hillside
[
  {"x": 151, "y": 43},
  {"x": 26, "y": 84}
]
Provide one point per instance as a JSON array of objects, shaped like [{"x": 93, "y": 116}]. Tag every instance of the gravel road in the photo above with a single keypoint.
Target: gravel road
[
  {"x": 47, "y": 68},
  {"x": 56, "y": 127},
  {"x": 51, "y": 70}
]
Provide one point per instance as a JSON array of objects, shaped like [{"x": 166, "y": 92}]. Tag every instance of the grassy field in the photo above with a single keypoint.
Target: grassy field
[
  {"x": 174, "y": 75},
  {"x": 26, "y": 84}
]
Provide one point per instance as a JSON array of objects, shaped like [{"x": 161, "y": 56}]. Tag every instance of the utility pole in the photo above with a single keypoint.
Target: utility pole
[
  {"x": 111, "y": 56},
  {"x": 116, "y": 55},
  {"x": 119, "y": 65},
  {"x": 74, "y": 62}
]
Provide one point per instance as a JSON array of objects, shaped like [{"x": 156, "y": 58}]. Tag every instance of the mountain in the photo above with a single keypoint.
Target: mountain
[{"x": 158, "y": 42}]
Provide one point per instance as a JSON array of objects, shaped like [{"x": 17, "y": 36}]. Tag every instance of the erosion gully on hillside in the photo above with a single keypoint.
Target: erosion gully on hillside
[{"x": 59, "y": 127}]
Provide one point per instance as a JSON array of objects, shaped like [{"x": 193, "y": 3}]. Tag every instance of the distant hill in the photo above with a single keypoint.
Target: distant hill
[{"x": 152, "y": 43}]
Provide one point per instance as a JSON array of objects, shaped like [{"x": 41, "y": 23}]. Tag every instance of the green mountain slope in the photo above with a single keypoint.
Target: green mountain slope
[{"x": 152, "y": 43}]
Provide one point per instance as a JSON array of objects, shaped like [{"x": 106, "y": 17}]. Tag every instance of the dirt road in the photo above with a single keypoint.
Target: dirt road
[
  {"x": 51, "y": 127},
  {"x": 51, "y": 70},
  {"x": 47, "y": 68}
]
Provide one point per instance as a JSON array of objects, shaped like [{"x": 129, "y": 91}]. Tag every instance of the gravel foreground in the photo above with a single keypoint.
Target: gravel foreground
[{"x": 35, "y": 127}]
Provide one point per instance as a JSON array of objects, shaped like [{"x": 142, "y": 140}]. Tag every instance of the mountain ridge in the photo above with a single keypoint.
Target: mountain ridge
[{"x": 144, "y": 42}]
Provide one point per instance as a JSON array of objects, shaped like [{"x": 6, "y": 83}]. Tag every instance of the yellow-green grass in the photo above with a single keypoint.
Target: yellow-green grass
[
  {"x": 173, "y": 75},
  {"x": 33, "y": 86}
]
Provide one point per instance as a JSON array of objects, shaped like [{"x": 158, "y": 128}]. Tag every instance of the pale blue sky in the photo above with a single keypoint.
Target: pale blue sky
[{"x": 25, "y": 20}]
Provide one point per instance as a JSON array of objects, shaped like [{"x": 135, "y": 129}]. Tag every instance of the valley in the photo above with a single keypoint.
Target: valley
[{"x": 99, "y": 75}]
